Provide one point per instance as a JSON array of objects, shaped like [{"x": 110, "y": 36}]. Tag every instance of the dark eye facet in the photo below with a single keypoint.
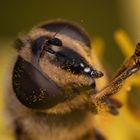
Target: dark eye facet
[
  {"x": 37, "y": 45},
  {"x": 33, "y": 89},
  {"x": 55, "y": 41}
]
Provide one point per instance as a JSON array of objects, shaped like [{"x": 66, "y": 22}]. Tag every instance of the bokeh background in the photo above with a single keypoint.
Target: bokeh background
[{"x": 102, "y": 19}]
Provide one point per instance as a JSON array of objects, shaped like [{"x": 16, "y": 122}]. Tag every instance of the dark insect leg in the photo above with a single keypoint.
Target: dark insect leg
[
  {"x": 19, "y": 132},
  {"x": 98, "y": 135},
  {"x": 93, "y": 135},
  {"x": 130, "y": 67},
  {"x": 113, "y": 105}
]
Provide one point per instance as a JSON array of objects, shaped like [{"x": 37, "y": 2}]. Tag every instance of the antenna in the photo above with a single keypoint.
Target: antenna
[{"x": 66, "y": 26}]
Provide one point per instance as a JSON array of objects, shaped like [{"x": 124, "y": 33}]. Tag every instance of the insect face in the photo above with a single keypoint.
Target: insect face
[
  {"x": 52, "y": 86},
  {"x": 37, "y": 79}
]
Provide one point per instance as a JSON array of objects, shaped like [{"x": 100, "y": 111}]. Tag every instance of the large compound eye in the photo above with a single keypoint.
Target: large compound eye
[
  {"x": 32, "y": 86},
  {"x": 55, "y": 41},
  {"x": 33, "y": 89}
]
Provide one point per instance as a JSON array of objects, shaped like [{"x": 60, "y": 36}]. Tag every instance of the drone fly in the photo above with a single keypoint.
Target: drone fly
[{"x": 51, "y": 89}]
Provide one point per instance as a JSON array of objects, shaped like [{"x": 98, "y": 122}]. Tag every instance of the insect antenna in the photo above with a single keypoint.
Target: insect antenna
[
  {"x": 44, "y": 46},
  {"x": 59, "y": 31}
]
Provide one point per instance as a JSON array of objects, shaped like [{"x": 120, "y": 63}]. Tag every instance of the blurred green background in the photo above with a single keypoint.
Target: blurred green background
[
  {"x": 100, "y": 18},
  {"x": 97, "y": 16}
]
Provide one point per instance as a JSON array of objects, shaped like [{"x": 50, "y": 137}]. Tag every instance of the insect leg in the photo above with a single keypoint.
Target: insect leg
[
  {"x": 20, "y": 134},
  {"x": 94, "y": 134},
  {"x": 130, "y": 67}
]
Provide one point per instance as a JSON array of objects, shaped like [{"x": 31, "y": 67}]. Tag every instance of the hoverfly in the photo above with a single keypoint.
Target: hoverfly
[{"x": 51, "y": 89}]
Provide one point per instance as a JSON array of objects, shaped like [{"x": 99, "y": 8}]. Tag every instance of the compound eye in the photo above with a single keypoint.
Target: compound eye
[
  {"x": 38, "y": 44},
  {"x": 33, "y": 89},
  {"x": 55, "y": 41}
]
